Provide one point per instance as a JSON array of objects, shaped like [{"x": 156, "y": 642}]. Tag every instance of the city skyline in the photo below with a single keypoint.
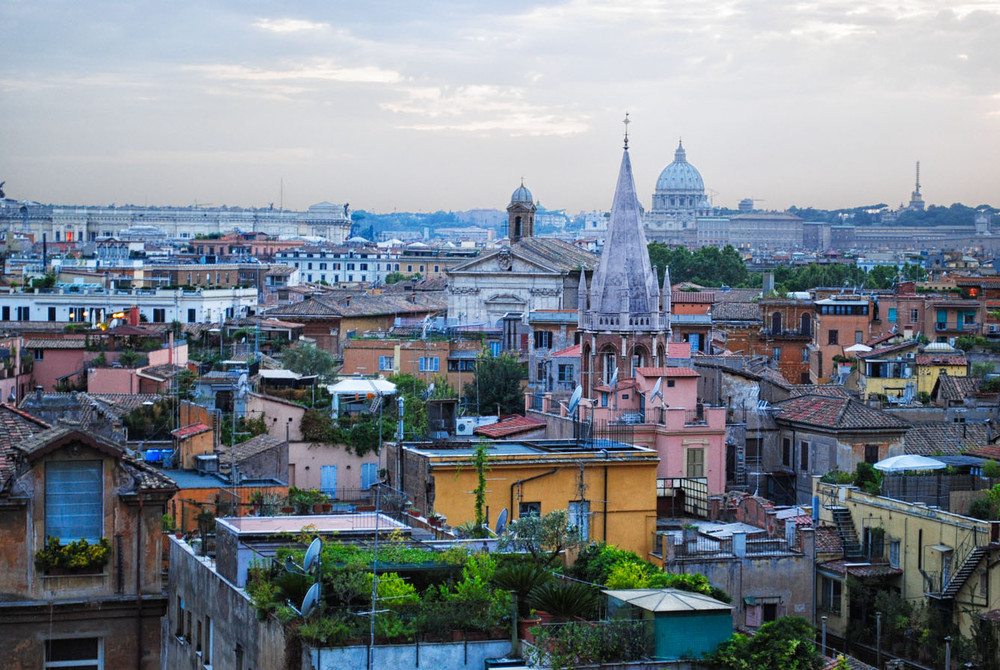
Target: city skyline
[{"x": 396, "y": 106}]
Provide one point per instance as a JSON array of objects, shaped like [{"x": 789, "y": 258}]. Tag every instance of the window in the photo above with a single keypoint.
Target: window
[
  {"x": 805, "y": 354},
  {"x": 78, "y": 652},
  {"x": 858, "y": 337},
  {"x": 74, "y": 500},
  {"x": 871, "y": 453},
  {"x": 529, "y": 509},
  {"x": 192, "y": 316},
  {"x": 24, "y": 314},
  {"x": 892, "y": 314},
  {"x": 670, "y": 383},
  {"x": 540, "y": 371},
  {"x": 579, "y": 517},
  {"x": 429, "y": 364},
  {"x": 5, "y": 313},
  {"x": 543, "y": 339},
  {"x": 914, "y": 315},
  {"x": 180, "y": 617},
  {"x": 875, "y": 543},
  {"x": 566, "y": 372},
  {"x": 776, "y": 353},
  {"x": 830, "y": 594},
  {"x": 804, "y": 456},
  {"x": 696, "y": 462},
  {"x": 786, "y": 451},
  {"x": 894, "y": 553},
  {"x": 52, "y": 313},
  {"x": 159, "y": 315},
  {"x": 833, "y": 337},
  {"x": 385, "y": 362},
  {"x": 495, "y": 349}
]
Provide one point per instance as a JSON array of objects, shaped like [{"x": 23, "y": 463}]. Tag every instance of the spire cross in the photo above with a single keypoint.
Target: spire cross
[{"x": 626, "y": 122}]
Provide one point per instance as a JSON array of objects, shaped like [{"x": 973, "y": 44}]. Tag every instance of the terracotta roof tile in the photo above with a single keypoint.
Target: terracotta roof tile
[
  {"x": 837, "y": 414},
  {"x": 187, "y": 431},
  {"x": 569, "y": 352},
  {"x": 946, "y": 438},
  {"x": 668, "y": 372},
  {"x": 512, "y": 425}
]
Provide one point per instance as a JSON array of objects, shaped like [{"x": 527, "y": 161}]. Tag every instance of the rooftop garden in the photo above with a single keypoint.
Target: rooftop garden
[{"x": 429, "y": 595}]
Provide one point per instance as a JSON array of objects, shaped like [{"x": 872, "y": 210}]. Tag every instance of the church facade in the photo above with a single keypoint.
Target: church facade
[{"x": 528, "y": 273}]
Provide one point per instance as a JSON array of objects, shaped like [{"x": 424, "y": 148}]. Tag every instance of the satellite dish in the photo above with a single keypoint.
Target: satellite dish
[
  {"x": 311, "y": 600},
  {"x": 290, "y": 565},
  {"x": 430, "y": 390},
  {"x": 312, "y": 554},
  {"x": 656, "y": 390},
  {"x": 242, "y": 381},
  {"x": 502, "y": 521},
  {"x": 574, "y": 401},
  {"x": 614, "y": 379}
]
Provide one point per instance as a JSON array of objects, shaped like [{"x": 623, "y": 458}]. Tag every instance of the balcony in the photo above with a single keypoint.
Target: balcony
[{"x": 787, "y": 334}]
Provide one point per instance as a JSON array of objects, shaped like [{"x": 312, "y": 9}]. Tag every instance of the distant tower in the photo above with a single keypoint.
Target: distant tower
[
  {"x": 520, "y": 214},
  {"x": 624, "y": 314},
  {"x": 917, "y": 200}
]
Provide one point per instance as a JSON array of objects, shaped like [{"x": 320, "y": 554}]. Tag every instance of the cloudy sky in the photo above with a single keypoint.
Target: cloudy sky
[{"x": 432, "y": 105}]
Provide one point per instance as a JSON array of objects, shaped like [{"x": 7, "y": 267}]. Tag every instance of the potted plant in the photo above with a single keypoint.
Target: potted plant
[{"x": 77, "y": 557}]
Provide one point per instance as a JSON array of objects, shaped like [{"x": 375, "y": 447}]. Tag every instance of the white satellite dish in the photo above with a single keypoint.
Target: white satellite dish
[
  {"x": 242, "y": 381},
  {"x": 614, "y": 379},
  {"x": 656, "y": 390},
  {"x": 311, "y": 600},
  {"x": 312, "y": 554},
  {"x": 502, "y": 521},
  {"x": 430, "y": 390},
  {"x": 574, "y": 400}
]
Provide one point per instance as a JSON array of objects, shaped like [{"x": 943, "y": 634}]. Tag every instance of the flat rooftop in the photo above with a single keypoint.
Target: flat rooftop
[
  {"x": 364, "y": 522},
  {"x": 528, "y": 448}
]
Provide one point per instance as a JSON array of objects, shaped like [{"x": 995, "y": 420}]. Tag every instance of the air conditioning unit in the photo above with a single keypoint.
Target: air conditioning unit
[
  {"x": 206, "y": 463},
  {"x": 465, "y": 426},
  {"x": 994, "y": 329},
  {"x": 911, "y": 356}
]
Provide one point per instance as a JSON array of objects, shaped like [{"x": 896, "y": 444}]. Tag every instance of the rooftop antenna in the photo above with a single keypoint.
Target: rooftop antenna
[{"x": 626, "y": 122}]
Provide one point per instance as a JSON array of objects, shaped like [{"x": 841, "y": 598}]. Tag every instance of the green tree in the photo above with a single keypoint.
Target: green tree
[
  {"x": 786, "y": 643},
  {"x": 497, "y": 384},
  {"x": 544, "y": 537},
  {"x": 307, "y": 359}
]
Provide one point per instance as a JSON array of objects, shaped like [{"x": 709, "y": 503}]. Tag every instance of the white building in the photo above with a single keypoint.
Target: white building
[{"x": 85, "y": 303}]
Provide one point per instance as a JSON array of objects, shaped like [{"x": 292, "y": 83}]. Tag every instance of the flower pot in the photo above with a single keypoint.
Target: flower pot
[
  {"x": 523, "y": 626},
  {"x": 287, "y": 510},
  {"x": 326, "y": 507},
  {"x": 179, "y": 534}
]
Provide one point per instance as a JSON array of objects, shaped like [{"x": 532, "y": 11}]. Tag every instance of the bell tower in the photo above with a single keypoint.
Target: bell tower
[{"x": 520, "y": 214}]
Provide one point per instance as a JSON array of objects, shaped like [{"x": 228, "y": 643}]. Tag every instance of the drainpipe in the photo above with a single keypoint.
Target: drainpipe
[
  {"x": 524, "y": 481},
  {"x": 138, "y": 585}
]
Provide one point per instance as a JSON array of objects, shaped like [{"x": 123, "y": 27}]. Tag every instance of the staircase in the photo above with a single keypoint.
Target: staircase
[
  {"x": 963, "y": 574},
  {"x": 844, "y": 524}
]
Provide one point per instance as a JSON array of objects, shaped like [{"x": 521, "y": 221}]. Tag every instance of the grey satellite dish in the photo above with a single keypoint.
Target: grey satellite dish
[
  {"x": 242, "y": 380},
  {"x": 311, "y": 600},
  {"x": 574, "y": 401},
  {"x": 312, "y": 554},
  {"x": 502, "y": 521},
  {"x": 290, "y": 565},
  {"x": 614, "y": 379}
]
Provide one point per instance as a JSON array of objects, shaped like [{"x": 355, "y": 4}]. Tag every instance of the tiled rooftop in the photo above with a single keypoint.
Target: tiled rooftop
[{"x": 837, "y": 414}]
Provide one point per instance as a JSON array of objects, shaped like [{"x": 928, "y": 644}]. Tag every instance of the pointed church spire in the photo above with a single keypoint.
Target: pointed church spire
[
  {"x": 581, "y": 296},
  {"x": 624, "y": 280},
  {"x": 665, "y": 291},
  {"x": 680, "y": 156}
]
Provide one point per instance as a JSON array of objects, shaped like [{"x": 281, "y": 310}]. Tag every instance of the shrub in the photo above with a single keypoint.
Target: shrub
[{"x": 564, "y": 600}]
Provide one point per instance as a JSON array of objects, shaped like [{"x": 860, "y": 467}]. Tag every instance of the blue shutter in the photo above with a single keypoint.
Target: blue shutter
[
  {"x": 369, "y": 473},
  {"x": 328, "y": 480}
]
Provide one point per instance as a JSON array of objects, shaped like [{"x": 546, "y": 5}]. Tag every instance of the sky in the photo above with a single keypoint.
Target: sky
[{"x": 434, "y": 105}]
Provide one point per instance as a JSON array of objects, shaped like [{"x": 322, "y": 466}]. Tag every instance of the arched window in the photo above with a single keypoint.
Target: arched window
[
  {"x": 776, "y": 323},
  {"x": 805, "y": 327}
]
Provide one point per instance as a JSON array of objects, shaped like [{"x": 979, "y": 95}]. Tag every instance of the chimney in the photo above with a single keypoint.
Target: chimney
[
  {"x": 768, "y": 283},
  {"x": 133, "y": 316}
]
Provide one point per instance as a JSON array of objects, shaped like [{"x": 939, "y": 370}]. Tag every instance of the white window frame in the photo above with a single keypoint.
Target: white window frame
[
  {"x": 100, "y": 471},
  {"x": 429, "y": 364},
  {"x": 385, "y": 363},
  {"x": 99, "y": 661}
]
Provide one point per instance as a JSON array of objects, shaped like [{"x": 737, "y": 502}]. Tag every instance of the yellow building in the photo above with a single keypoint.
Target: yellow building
[
  {"x": 938, "y": 357},
  {"x": 608, "y": 490},
  {"x": 904, "y": 370},
  {"x": 944, "y": 560}
]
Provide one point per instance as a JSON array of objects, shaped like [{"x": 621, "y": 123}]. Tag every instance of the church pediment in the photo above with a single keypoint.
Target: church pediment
[
  {"x": 505, "y": 299},
  {"x": 503, "y": 261}
]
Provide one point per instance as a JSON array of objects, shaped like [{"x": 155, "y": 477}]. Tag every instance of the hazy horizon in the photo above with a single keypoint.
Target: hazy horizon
[{"x": 420, "y": 107}]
